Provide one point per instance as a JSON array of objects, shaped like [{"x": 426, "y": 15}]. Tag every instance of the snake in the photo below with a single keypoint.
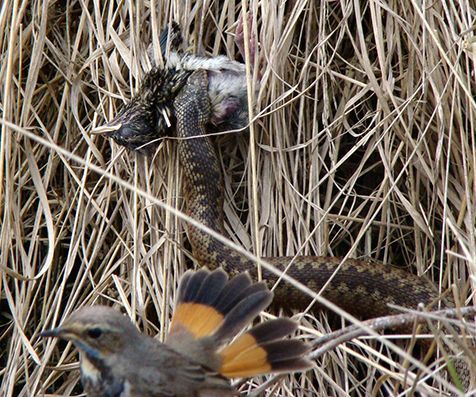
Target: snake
[
  {"x": 184, "y": 100},
  {"x": 363, "y": 288},
  {"x": 193, "y": 95}
]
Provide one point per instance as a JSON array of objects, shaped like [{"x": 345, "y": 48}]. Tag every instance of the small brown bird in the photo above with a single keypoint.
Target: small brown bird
[{"x": 198, "y": 358}]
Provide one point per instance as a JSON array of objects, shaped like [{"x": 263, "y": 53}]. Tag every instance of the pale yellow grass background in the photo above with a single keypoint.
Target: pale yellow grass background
[{"x": 363, "y": 142}]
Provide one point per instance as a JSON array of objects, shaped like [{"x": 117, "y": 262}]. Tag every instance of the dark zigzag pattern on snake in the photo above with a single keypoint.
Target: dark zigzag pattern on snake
[{"x": 362, "y": 288}]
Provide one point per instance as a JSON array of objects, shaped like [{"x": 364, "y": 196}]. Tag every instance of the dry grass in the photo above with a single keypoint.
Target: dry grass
[{"x": 363, "y": 144}]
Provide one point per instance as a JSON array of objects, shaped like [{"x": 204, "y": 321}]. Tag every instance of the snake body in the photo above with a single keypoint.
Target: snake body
[
  {"x": 360, "y": 287},
  {"x": 191, "y": 95}
]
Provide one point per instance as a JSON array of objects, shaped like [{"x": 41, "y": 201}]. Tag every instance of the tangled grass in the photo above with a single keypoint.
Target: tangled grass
[{"x": 362, "y": 144}]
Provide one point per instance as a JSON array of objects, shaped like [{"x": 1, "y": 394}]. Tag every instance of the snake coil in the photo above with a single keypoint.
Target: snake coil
[{"x": 362, "y": 288}]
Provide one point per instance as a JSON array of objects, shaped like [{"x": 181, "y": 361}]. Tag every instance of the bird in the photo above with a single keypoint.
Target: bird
[
  {"x": 149, "y": 115},
  {"x": 202, "y": 351}
]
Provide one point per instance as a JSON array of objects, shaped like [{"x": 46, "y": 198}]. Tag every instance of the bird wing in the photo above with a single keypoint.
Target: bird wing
[{"x": 163, "y": 370}]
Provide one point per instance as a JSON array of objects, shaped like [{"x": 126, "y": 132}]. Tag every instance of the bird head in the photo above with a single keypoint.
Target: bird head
[
  {"x": 149, "y": 115},
  {"x": 97, "y": 331}
]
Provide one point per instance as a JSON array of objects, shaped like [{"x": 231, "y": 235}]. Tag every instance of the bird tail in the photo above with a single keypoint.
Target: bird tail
[{"x": 212, "y": 310}]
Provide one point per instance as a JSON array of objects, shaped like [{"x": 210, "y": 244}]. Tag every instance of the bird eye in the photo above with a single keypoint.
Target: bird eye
[{"x": 94, "y": 333}]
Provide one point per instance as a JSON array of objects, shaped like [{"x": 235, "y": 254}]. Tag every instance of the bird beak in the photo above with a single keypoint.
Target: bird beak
[
  {"x": 104, "y": 129},
  {"x": 59, "y": 332},
  {"x": 51, "y": 333}
]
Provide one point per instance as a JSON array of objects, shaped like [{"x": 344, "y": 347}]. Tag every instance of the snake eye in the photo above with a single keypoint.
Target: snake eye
[{"x": 94, "y": 332}]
